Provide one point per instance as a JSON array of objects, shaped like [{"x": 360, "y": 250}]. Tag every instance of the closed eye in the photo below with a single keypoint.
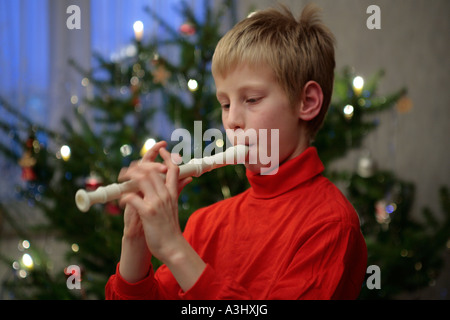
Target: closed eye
[{"x": 253, "y": 100}]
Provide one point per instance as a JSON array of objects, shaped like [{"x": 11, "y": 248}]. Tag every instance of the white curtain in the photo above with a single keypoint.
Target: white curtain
[
  {"x": 24, "y": 77},
  {"x": 65, "y": 88},
  {"x": 36, "y": 45},
  {"x": 112, "y": 22},
  {"x": 24, "y": 55}
]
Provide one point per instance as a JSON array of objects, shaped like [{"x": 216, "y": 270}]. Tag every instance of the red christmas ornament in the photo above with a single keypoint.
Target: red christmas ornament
[
  {"x": 92, "y": 182},
  {"x": 187, "y": 29},
  {"x": 72, "y": 272},
  {"x": 112, "y": 208},
  {"x": 27, "y": 162},
  {"x": 28, "y": 174},
  {"x": 135, "y": 93}
]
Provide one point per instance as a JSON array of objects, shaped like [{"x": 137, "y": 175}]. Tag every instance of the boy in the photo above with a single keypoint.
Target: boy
[{"x": 291, "y": 235}]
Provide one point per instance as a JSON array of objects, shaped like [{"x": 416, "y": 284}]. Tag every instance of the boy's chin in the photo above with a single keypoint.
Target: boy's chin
[{"x": 262, "y": 169}]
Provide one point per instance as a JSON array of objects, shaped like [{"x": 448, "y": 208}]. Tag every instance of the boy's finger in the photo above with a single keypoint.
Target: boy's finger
[
  {"x": 172, "y": 172},
  {"x": 125, "y": 173},
  {"x": 151, "y": 154},
  {"x": 183, "y": 183},
  {"x": 176, "y": 158}
]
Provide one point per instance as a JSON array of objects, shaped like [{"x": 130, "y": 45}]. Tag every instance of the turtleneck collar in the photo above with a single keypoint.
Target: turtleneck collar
[{"x": 290, "y": 174}]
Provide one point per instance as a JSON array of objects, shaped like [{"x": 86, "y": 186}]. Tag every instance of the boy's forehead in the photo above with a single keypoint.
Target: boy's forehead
[
  {"x": 246, "y": 71},
  {"x": 244, "y": 77}
]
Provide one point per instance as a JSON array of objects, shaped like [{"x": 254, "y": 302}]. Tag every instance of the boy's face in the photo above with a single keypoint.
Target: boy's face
[{"x": 251, "y": 98}]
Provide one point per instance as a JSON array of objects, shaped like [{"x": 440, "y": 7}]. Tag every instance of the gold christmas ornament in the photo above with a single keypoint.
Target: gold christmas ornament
[
  {"x": 161, "y": 75},
  {"x": 404, "y": 105}
]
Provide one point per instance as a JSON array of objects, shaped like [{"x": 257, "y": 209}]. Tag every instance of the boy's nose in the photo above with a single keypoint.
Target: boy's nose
[{"x": 235, "y": 118}]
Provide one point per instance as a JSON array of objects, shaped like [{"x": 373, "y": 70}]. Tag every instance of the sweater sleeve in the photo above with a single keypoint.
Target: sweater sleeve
[
  {"x": 159, "y": 285},
  {"x": 117, "y": 288}
]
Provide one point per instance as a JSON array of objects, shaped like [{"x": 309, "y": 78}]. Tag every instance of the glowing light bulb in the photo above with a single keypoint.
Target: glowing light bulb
[
  {"x": 220, "y": 143},
  {"x": 65, "y": 152},
  {"x": 192, "y": 85},
  {"x": 138, "y": 27},
  {"x": 348, "y": 111},
  {"x": 27, "y": 261},
  {"x": 75, "y": 247},
  {"x": 26, "y": 244},
  {"x": 358, "y": 84},
  {"x": 74, "y": 99},
  {"x": 147, "y": 146},
  {"x": 126, "y": 150}
]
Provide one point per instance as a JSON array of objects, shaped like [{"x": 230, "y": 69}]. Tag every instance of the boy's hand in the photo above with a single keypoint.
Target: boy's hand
[
  {"x": 132, "y": 222},
  {"x": 153, "y": 211},
  {"x": 135, "y": 259}
]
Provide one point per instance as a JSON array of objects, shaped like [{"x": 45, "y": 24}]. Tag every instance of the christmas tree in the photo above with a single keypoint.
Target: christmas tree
[
  {"x": 408, "y": 250},
  {"x": 169, "y": 81},
  {"x": 109, "y": 130}
]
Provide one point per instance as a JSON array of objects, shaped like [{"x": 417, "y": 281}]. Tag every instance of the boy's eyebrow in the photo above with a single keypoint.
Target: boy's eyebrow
[
  {"x": 220, "y": 94},
  {"x": 246, "y": 87}
]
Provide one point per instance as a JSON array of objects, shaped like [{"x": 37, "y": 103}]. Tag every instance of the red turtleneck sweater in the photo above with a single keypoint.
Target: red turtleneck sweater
[{"x": 291, "y": 235}]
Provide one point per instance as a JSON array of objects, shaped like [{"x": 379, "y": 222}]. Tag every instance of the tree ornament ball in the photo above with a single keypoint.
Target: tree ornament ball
[
  {"x": 187, "y": 29},
  {"x": 366, "y": 167}
]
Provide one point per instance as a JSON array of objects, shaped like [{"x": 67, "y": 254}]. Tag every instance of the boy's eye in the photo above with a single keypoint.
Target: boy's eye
[
  {"x": 252, "y": 100},
  {"x": 225, "y": 106}
]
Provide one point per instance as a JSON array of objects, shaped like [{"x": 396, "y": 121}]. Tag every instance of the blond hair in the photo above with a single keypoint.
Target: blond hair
[{"x": 297, "y": 51}]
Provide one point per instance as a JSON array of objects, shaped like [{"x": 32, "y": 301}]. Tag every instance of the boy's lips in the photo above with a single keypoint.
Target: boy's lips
[{"x": 250, "y": 150}]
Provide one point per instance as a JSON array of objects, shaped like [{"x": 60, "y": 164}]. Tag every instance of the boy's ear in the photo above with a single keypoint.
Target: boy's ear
[{"x": 311, "y": 101}]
